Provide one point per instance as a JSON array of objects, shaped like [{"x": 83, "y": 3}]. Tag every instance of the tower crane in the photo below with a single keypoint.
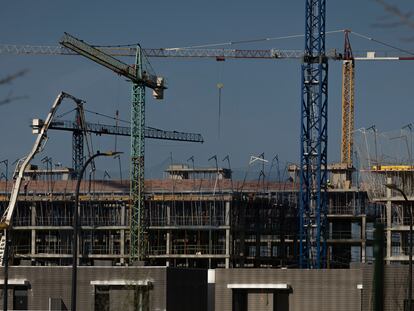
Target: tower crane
[
  {"x": 348, "y": 99},
  {"x": 348, "y": 91},
  {"x": 140, "y": 79},
  {"x": 314, "y": 139},
  {"x": 313, "y": 159},
  {"x": 104, "y": 129}
]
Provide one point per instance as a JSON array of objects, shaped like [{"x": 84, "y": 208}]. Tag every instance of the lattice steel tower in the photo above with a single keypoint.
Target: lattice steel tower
[
  {"x": 314, "y": 138},
  {"x": 348, "y": 91}
]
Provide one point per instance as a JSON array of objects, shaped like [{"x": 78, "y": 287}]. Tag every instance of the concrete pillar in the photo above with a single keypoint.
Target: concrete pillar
[
  {"x": 269, "y": 246},
  {"x": 168, "y": 238},
  {"x": 389, "y": 223},
  {"x": 33, "y": 223},
  {"x": 363, "y": 238},
  {"x": 111, "y": 243},
  {"x": 122, "y": 246},
  {"x": 123, "y": 220},
  {"x": 227, "y": 222},
  {"x": 122, "y": 235}
]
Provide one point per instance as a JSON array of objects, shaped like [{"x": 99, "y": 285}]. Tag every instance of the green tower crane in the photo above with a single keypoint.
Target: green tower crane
[{"x": 140, "y": 79}]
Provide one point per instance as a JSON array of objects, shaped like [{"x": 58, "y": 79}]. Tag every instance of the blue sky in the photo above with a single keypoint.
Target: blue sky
[{"x": 260, "y": 98}]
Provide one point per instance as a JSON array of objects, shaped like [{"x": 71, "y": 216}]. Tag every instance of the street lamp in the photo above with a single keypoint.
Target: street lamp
[
  {"x": 76, "y": 223},
  {"x": 6, "y": 163},
  {"x": 410, "y": 254}
]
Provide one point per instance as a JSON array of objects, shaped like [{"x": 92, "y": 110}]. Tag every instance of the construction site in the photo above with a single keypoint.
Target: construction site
[{"x": 303, "y": 234}]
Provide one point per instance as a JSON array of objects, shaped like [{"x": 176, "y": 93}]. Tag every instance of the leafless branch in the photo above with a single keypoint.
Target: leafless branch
[
  {"x": 10, "y": 99},
  {"x": 8, "y": 80},
  {"x": 405, "y": 18},
  {"x": 13, "y": 76}
]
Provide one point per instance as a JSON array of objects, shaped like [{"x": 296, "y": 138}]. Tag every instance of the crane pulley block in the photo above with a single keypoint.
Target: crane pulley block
[{"x": 158, "y": 92}]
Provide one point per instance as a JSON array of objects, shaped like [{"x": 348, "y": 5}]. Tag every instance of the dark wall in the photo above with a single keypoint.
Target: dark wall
[
  {"x": 395, "y": 287},
  {"x": 55, "y": 282},
  {"x": 312, "y": 290},
  {"x": 186, "y": 289}
]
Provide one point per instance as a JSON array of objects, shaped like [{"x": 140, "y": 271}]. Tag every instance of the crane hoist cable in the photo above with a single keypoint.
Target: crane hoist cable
[
  {"x": 107, "y": 116},
  {"x": 381, "y": 42},
  {"x": 253, "y": 40}
]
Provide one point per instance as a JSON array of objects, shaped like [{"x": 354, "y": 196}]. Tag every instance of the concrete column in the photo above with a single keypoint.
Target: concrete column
[
  {"x": 111, "y": 244},
  {"x": 227, "y": 222},
  {"x": 123, "y": 215},
  {"x": 33, "y": 237},
  {"x": 122, "y": 246},
  {"x": 389, "y": 223},
  {"x": 363, "y": 238},
  {"x": 168, "y": 241},
  {"x": 122, "y": 235}
]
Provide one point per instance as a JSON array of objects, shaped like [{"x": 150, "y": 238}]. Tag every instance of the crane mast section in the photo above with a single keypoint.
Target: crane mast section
[
  {"x": 313, "y": 149},
  {"x": 348, "y": 115},
  {"x": 138, "y": 232}
]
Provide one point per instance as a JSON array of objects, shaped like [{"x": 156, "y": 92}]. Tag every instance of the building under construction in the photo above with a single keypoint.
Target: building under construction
[
  {"x": 321, "y": 216},
  {"x": 195, "y": 217}
]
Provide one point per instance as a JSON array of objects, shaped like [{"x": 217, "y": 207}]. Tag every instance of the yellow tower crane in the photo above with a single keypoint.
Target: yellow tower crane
[{"x": 348, "y": 91}]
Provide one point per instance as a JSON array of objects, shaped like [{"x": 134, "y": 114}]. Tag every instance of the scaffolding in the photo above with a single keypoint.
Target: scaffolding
[
  {"x": 387, "y": 173},
  {"x": 205, "y": 223}
]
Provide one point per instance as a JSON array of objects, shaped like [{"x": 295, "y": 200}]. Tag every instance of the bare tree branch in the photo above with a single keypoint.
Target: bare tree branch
[
  {"x": 12, "y": 77},
  {"x": 405, "y": 18},
  {"x": 10, "y": 99}
]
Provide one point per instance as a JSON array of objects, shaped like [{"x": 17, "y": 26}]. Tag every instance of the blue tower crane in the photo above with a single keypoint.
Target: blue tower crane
[{"x": 314, "y": 139}]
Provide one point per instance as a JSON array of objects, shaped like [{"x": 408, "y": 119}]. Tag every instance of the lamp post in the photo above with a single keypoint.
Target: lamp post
[
  {"x": 6, "y": 163},
  {"x": 410, "y": 254},
  {"x": 76, "y": 223}
]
